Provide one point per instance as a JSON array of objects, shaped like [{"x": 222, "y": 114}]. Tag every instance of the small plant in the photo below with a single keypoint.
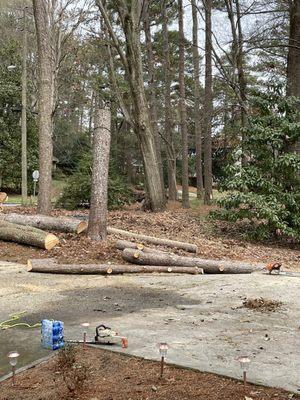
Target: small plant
[
  {"x": 73, "y": 373},
  {"x": 78, "y": 189}
]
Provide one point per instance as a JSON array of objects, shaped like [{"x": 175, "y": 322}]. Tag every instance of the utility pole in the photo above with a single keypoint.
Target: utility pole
[{"x": 24, "y": 108}]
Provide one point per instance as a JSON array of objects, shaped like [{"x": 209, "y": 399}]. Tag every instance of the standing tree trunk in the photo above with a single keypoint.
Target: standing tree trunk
[
  {"x": 198, "y": 131},
  {"x": 45, "y": 103},
  {"x": 183, "y": 113},
  {"x": 293, "y": 61},
  {"x": 208, "y": 105},
  {"x": 97, "y": 229},
  {"x": 168, "y": 122},
  {"x": 151, "y": 84},
  {"x": 130, "y": 16},
  {"x": 237, "y": 61},
  {"x": 24, "y": 112}
]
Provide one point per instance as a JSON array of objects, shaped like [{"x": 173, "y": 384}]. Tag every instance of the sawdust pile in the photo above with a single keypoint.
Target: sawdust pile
[{"x": 262, "y": 305}]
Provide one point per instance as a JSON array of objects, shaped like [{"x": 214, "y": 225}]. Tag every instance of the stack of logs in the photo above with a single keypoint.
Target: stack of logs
[{"x": 28, "y": 229}]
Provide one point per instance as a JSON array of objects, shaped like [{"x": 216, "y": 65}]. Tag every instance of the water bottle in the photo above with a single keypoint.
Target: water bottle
[{"x": 52, "y": 334}]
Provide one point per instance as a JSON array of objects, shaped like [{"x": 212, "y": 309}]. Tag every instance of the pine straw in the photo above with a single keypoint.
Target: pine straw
[
  {"x": 110, "y": 376},
  {"x": 262, "y": 305},
  {"x": 214, "y": 240}
]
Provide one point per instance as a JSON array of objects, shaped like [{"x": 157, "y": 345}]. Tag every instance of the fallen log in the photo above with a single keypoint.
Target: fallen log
[
  {"x": 154, "y": 240},
  {"x": 27, "y": 235},
  {"x": 50, "y": 267},
  {"x": 60, "y": 224},
  {"x": 125, "y": 244},
  {"x": 208, "y": 266}
]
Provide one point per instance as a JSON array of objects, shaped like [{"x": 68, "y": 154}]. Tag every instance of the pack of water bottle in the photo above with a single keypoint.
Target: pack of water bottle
[{"x": 52, "y": 334}]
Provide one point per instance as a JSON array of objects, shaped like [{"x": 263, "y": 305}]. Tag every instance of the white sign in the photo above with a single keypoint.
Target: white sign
[{"x": 36, "y": 175}]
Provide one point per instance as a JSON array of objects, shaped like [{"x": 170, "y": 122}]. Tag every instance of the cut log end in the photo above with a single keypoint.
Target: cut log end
[
  {"x": 51, "y": 241},
  {"x": 81, "y": 227},
  {"x": 136, "y": 254},
  {"x": 29, "y": 265}
]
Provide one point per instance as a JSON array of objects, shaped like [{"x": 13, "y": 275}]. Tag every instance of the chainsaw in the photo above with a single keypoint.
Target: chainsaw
[{"x": 105, "y": 335}]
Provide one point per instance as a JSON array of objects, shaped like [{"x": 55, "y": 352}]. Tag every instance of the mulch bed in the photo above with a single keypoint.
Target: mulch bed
[
  {"x": 214, "y": 239},
  {"x": 95, "y": 374}
]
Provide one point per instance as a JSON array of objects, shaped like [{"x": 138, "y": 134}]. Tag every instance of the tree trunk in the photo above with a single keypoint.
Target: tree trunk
[
  {"x": 130, "y": 16},
  {"x": 154, "y": 240},
  {"x": 59, "y": 224},
  {"x": 183, "y": 113},
  {"x": 293, "y": 61},
  {"x": 168, "y": 131},
  {"x": 125, "y": 244},
  {"x": 237, "y": 60},
  {"x": 208, "y": 105},
  {"x": 101, "y": 147},
  {"x": 197, "y": 89},
  {"x": 24, "y": 112},
  {"x": 151, "y": 84},
  {"x": 208, "y": 266},
  {"x": 143, "y": 127},
  {"x": 27, "y": 235},
  {"x": 45, "y": 104},
  {"x": 50, "y": 267}
]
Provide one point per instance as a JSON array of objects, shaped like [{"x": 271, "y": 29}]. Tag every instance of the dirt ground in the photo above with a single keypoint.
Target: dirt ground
[
  {"x": 94, "y": 374},
  {"x": 216, "y": 240}
]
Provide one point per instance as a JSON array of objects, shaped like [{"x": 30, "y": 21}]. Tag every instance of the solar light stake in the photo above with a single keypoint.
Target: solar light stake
[
  {"x": 163, "y": 349},
  {"x": 244, "y": 363},
  {"x": 85, "y": 326},
  {"x": 13, "y": 360}
]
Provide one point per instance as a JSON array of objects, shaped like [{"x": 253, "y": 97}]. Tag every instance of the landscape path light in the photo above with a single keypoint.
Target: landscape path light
[
  {"x": 244, "y": 364},
  {"x": 13, "y": 360},
  {"x": 163, "y": 350},
  {"x": 85, "y": 326}
]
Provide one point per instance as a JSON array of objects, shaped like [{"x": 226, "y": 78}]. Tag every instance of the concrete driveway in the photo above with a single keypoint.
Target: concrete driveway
[{"x": 199, "y": 316}]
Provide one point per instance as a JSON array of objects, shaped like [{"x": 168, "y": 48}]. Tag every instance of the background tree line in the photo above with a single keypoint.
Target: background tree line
[{"x": 186, "y": 82}]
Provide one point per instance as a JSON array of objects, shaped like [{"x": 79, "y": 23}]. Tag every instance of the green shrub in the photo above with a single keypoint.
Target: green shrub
[
  {"x": 77, "y": 191},
  {"x": 266, "y": 191}
]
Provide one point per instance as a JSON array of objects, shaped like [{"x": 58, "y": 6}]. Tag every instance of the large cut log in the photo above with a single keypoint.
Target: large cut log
[
  {"x": 208, "y": 266},
  {"x": 154, "y": 240},
  {"x": 27, "y": 235},
  {"x": 50, "y": 267},
  {"x": 125, "y": 244},
  {"x": 60, "y": 224}
]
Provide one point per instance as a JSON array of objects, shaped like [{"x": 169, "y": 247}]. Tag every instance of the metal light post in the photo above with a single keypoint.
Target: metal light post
[
  {"x": 244, "y": 364},
  {"x": 85, "y": 326},
  {"x": 13, "y": 359},
  {"x": 163, "y": 349},
  {"x": 23, "y": 110}
]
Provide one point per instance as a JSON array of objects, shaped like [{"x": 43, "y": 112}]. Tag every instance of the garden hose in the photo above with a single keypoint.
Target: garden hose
[{"x": 15, "y": 317}]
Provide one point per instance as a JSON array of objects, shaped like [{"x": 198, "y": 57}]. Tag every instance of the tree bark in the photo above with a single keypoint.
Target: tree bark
[
  {"x": 152, "y": 84},
  {"x": 154, "y": 240},
  {"x": 130, "y": 16},
  {"x": 60, "y": 224},
  {"x": 293, "y": 61},
  {"x": 45, "y": 103},
  {"x": 49, "y": 266},
  {"x": 27, "y": 235},
  {"x": 125, "y": 244},
  {"x": 24, "y": 112},
  {"x": 237, "y": 60},
  {"x": 208, "y": 105},
  {"x": 168, "y": 131},
  {"x": 183, "y": 113},
  {"x": 208, "y": 266},
  {"x": 197, "y": 90},
  {"x": 97, "y": 229}
]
